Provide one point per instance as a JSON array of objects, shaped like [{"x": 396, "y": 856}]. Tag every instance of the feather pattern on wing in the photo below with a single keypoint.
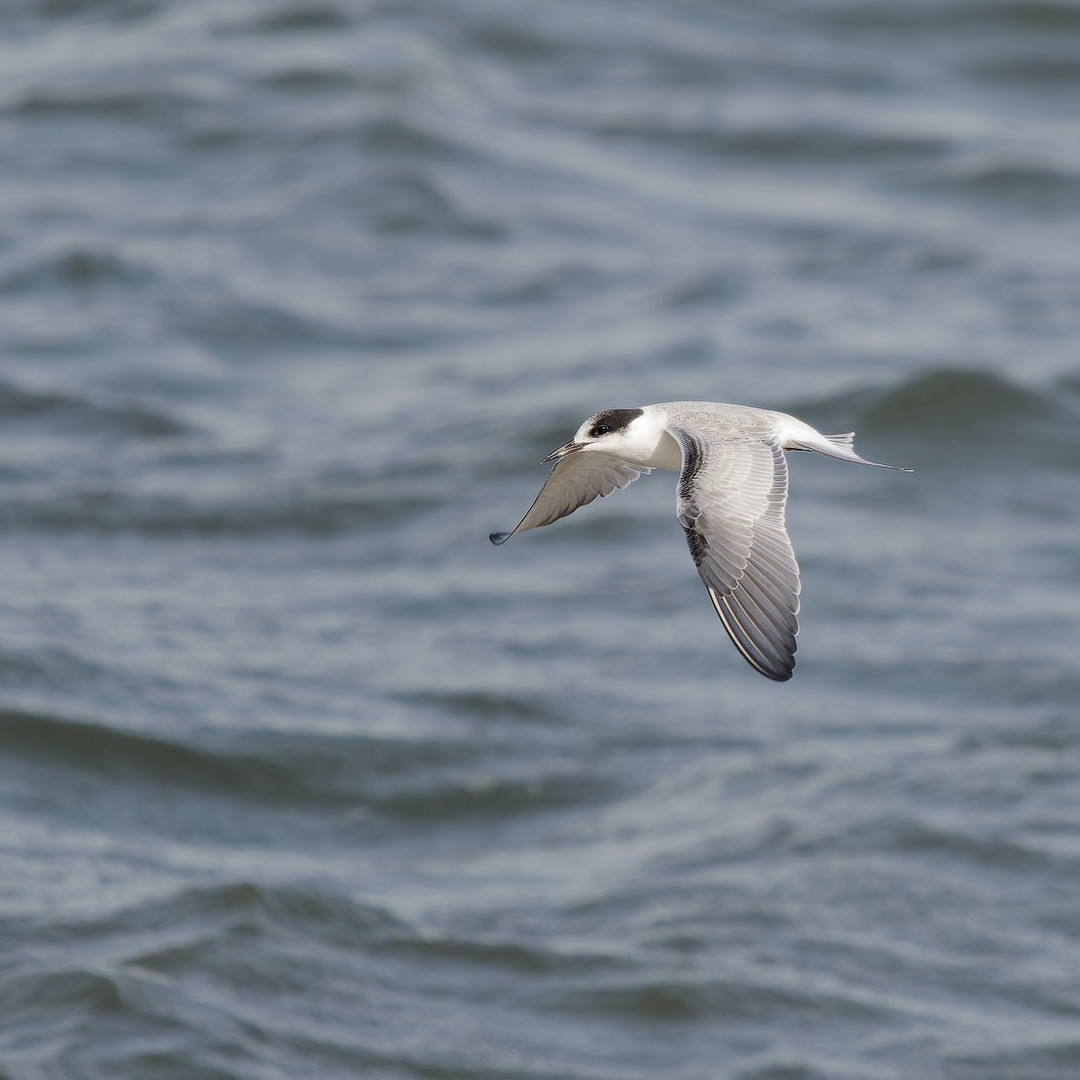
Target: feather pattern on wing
[
  {"x": 731, "y": 501},
  {"x": 576, "y": 480}
]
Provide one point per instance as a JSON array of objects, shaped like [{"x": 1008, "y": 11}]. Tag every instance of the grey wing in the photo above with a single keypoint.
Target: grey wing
[
  {"x": 575, "y": 481},
  {"x": 731, "y": 502}
]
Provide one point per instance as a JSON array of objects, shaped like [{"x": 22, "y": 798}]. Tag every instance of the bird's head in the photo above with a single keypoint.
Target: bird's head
[{"x": 614, "y": 431}]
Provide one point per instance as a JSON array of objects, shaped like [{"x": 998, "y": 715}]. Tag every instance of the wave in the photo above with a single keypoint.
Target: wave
[
  {"x": 259, "y": 327},
  {"x": 908, "y": 837},
  {"x": 500, "y": 953},
  {"x": 1052, "y": 16},
  {"x": 956, "y": 397},
  {"x": 395, "y": 778},
  {"x": 72, "y": 266},
  {"x": 296, "y": 17},
  {"x": 131, "y": 968},
  {"x": 953, "y": 406},
  {"x": 288, "y": 512},
  {"x": 1044, "y": 189},
  {"x": 772, "y": 143},
  {"x": 98, "y": 748},
  {"x": 192, "y": 916},
  {"x": 30, "y": 992},
  {"x": 497, "y": 796},
  {"x": 143, "y": 102},
  {"x": 681, "y": 1000},
  {"x": 68, "y": 413}
]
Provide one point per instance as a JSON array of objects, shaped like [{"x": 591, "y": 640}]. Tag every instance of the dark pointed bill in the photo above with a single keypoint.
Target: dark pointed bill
[{"x": 566, "y": 448}]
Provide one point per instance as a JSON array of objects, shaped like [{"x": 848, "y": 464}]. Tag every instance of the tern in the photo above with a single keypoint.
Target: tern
[{"x": 730, "y": 500}]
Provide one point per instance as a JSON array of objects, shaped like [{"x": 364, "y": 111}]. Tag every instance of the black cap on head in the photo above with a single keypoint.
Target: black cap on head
[{"x": 612, "y": 420}]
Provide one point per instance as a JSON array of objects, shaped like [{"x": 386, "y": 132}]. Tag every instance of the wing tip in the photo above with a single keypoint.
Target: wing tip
[
  {"x": 779, "y": 666},
  {"x": 781, "y": 675},
  {"x": 779, "y": 671},
  {"x": 499, "y": 537}
]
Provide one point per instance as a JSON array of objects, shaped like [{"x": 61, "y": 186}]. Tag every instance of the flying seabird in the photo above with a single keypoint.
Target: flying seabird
[{"x": 731, "y": 497}]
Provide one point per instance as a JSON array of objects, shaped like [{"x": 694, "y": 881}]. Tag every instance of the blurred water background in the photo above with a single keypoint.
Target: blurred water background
[{"x": 300, "y": 777}]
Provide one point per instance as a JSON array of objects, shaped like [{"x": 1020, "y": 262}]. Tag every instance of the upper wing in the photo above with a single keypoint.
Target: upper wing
[
  {"x": 731, "y": 501},
  {"x": 575, "y": 481}
]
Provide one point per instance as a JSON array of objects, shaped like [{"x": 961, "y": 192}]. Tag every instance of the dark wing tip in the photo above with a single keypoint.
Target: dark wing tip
[
  {"x": 777, "y": 668},
  {"x": 768, "y": 653},
  {"x": 781, "y": 675},
  {"x": 499, "y": 538}
]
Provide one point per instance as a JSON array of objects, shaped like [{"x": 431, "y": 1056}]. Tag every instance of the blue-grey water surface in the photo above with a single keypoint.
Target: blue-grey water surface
[{"x": 299, "y": 776}]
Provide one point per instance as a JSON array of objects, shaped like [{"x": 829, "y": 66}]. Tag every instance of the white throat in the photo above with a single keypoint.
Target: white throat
[{"x": 646, "y": 442}]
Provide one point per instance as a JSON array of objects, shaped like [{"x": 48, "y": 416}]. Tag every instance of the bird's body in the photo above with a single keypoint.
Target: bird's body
[{"x": 731, "y": 497}]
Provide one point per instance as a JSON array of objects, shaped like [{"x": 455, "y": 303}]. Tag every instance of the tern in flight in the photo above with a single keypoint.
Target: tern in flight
[{"x": 730, "y": 500}]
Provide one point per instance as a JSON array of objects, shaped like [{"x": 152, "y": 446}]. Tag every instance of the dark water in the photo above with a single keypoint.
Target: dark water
[{"x": 299, "y": 777}]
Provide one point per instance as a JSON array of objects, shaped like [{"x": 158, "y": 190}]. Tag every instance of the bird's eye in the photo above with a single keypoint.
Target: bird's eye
[{"x": 600, "y": 429}]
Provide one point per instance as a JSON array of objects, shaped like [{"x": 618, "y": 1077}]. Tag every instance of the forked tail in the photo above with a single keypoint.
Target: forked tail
[{"x": 838, "y": 446}]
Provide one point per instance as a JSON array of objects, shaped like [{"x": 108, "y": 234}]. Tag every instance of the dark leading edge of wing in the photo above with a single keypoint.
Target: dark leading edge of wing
[{"x": 731, "y": 501}]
